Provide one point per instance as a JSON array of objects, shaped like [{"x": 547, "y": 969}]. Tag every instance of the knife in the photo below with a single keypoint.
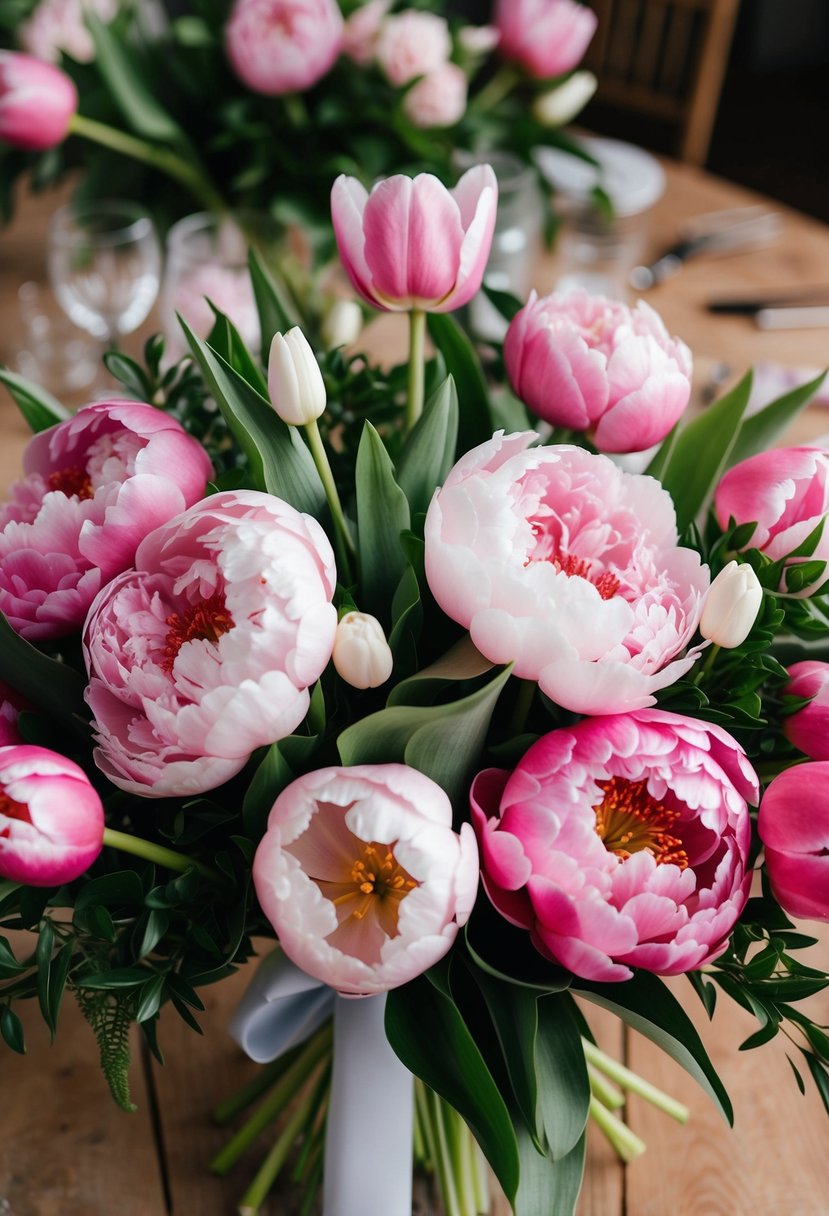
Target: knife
[
  {"x": 715, "y": 232},
  {"x": 749, "y": 306}
]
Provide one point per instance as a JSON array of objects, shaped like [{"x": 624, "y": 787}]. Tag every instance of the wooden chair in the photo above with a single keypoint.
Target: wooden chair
[{"x": 665, "y": 59}]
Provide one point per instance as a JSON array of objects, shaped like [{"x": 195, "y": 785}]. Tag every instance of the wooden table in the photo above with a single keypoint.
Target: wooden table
[{"x": 66, "y": 1151}]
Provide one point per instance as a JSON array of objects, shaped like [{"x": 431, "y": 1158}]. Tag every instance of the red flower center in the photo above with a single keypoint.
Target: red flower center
[
  {"x": 606, "y": 584},
  {"x": 74, "y": 482},
  {"x": 205, "y": 621},
  {"x": 629, "y": 819},
  {"x": 12, "y": 810}
]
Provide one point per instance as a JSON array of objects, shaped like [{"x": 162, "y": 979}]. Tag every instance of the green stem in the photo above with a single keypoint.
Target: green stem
[
  {"x": 264, "y": 1079},
  {"x": 163, "y": 159},
  {"x": 458, "y": 1135},
  {"x": 710, "y": 660},
  {"x": 479, "y": 1176},
  {"x": 443, "y": 1158},
  {"x": 627, "y": 1144},
  {"x": 634, "y": 1083},
  {"x": 345, "y": 544},
  {"x": 424, "y": 1119},
  {"x": 155, "y": 853},
  {"x": 417, "y": 338},
  {"x": 502, "y": 83},
  {"x": 523, "y": 704},
  {"x": 296, "y": 110},
  {"x": 266, "y": 1175},
  {"x": 608, "y": 1094}
]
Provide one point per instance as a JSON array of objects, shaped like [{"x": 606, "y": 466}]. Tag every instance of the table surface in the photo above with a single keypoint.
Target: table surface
[{"x": 66, "y": 1151}]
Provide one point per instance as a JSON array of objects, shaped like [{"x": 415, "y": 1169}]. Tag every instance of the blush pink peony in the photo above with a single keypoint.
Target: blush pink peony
[
  {"x": 794, "y": 827},
  {"x": 439, "y": 98},
  {"x": 362, "y": 876},
  {"x": 621, "y": 842},
  {"x": 545, "y": 37},
  {"x": 557, "y": 561},
  {"x": 58, "y": 25},
  {"x": 206, "y": 650},
  {"x": 413, "y": 244},
  {"x": 412, "y": 44},
  {"x": 283, "y": 46},
  {"x": 808, "y": 728},
  {"x": 95, "y": 485},
  {"x": 362, "y": 29},
  {"x": 37, "y": 102},
  {"x": 51, "y": 819},
  {"x": 592, "y": 364}
]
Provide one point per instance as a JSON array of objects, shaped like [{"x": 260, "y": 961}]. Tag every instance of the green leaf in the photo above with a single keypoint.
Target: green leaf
[
  {"x": 462, "y": 662},
  {"x": 659, "y": 463},
  {"x": 273, "y": 774},
  {"x": 43, "y": 962},
  {"x": 279, "y": 460},
  {"x": 225, "y": 339},
  {"x": 54, "y": 687},
  {"x": 155, "y": 926},
  {"x": 277, "y": 313},
  {"x": 111, "y": 890},
  {"x": 61, "y": 966},
  {"x": 548, "y": 1186},
  {"x": 407, "y": 622},
  {"x": 129, "y": 373},
  {"x": 763, "y": 429},
  {"x": 429, "y": 452},
  {"x": 474, "y": 418},
  {"x": 118, "y": 977},
  {"x": 448, "y": 1060},
  {"x": 645, "y": 1003},
  {"x": 151, "y": 997},
  {"x": 503, "y": 951},
  {"x": 503, "y": 302},
  {"x": 11, "y": 1029},
  {"x": 40, "y": 409},
  {"x": 382, "y": 515},
  {"x": 701, "y": 453},
  {"x": 820, "y": 1076},
  {"x": 136, "y": 101}
]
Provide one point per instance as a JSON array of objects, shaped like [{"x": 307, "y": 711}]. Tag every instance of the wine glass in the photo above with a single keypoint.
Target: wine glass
[{"x": 104, "y": 266}]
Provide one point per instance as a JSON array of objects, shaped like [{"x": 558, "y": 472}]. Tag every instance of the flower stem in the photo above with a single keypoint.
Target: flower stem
[
  {"x": 495, "y": 90},
  {"x": 710, "y": 660},
  {"x": 634, "y": 1083},
  {"x": 163, "y": 159},
  {"x": 523, "y": 704},
  {"x": 345, "y": 544},
  {"x": 608, "y": 1094},
  {"x": 626, "y": 1143},
  {"x": 458, "y": 1136},
  {"x": 443, "y": 1158},
  {"x": 155, "y": 853},
  {"x": 264, "y": 1079},
  {"x": 417, "y": 336}
]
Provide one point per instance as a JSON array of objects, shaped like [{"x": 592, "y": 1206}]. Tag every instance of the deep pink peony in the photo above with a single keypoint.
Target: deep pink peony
[
  {"x": 37, "y": 102},
  {"x": 621, "y": 842},
  {"x": 794, "y": 827},
  {"x": 362, "y": 876},
  {"x": 546, "y": 37},
  {"x": 412, "y": 243},
  {"x": 51, "y": 819},
  {"x": 95, "y": 485},
  {"x": 206, "y": 650},
  {"x": 808, "y": 728},
  {"x": 283, "y": 46},
  {"x": 556, "y": 560},
  {"x": 593, "y": 364},
  {"x": 786, "y": 493}
]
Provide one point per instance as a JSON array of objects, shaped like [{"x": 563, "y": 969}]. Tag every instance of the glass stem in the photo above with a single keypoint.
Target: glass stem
[
  {"x": 155, "y": 853},
  {"x": 417, "y": 336}
]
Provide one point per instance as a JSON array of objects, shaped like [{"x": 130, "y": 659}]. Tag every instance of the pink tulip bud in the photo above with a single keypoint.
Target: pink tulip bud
[
  {"x": 808, "y": 728},
  {"x": 51, "y": 819},
  {"x": 545, "y": 37},
  {"x": 731, "y": 606},
  {"x": 361, "y": 653},
  {"x": 37, "y": 102},
  {"x": 794, "y": 826},
  {"x": 283, "y": 46}
]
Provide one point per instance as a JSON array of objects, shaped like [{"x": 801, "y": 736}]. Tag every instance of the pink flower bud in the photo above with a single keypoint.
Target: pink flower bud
[
  {"x": 283, "y": 46},
  {"x": 361, "y": 653},
  {"x": 794, "y": 826},
  {"x": 545, "y": 37},
  {"x": 439, "y": 98},
  {"x": 51, "y": 819},
  {"x": 37, "y": 102},
  {"x": 731, "y": 606},
  {"x": 808, "y": 728}
]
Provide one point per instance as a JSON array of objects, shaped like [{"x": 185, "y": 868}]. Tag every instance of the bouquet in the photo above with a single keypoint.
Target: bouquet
[
  {"x": 400, "y": 667},
  {"x": 254, "y": 106}
]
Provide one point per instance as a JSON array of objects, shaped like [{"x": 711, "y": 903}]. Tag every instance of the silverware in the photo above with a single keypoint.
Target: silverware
[
  {"x": 749, "y": 306},
  {"x": 728, "y": 231},
  {"x": 789, "y": 317}
]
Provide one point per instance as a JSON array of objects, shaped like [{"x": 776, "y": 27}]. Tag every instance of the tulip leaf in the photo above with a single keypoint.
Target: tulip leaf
[
  {"x": 54, "y": 687},
  {"x": 429, "y": 452},
  {"x": 277, "y": 313},
  {"x": 762, "y": 430},
  {"x": 462, "y": 364},
  {"x": 448, "y": 1060},
  {"x": 279, "y": 460},
  {"x": 225, "y": 339},
  {"x": 547, "y": 1185},
  {"x": 275, "y": 771},
  {"x": 382, "y": 515},
  {"x": 136, "y": 101},
  {"x": 407, "y": 622},
  {"x": 647, "y": 1005},
  {"x": 462, "y": 662},
  {"x": 40, "y": 409},
  {"x": 701, "y": 453}
]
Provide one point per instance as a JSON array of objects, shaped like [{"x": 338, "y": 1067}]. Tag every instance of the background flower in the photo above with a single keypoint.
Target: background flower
[
  {"x": 283, "y": 46},
  {"x": 362, "y": 29},
  {"x": 411, "y": 44},
  {"x": 58, "y": 25},
  {"x": 794, "y": 827},
  {"x": 362, "y": 877},
  {"x": 621, "y": 842},
  {"x": 808, "y": 728},
  {"x": 546, "y": 37},
  {"x": 439, "y": 98},
  {"x": 37, "y": 102}
]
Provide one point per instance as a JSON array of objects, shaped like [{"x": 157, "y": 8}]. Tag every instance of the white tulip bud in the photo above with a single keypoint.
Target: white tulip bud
[
  {"x": 342, "y": 324},
  {"x": 295, "y": 381},
  {"x": 558, "y": 106},
  {"x": 731, "y": 606},
  {"x": 361, "y": 652}
]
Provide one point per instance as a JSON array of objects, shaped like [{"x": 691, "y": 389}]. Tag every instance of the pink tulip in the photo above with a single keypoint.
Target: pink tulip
[
  {"x": 545, "y": 37},
  {"x": 556, "y": 560},
  {"x": 37, "y": 102},
  {"x": 784, "y": 491},
  {"x": 412, "y": 44},
  {"x": 808, "y": 728},
  {"x": 51, "y": 819},
  {"x": 283, "y": 46},
  {"x": 94, "y": 486},
  {"x": 362, "y": 876},
  {"x": 206, "y": 650},
  {"x": 362, "y": 30},
  {"x": 794, "y": 827},
  {"x": 56, "y": 26},
  {"x": 413, "y": 244},
  {"x": 593, "y": 364},
  {"x": 438, "y": 99},
  {"x": 621, "y": 842}
]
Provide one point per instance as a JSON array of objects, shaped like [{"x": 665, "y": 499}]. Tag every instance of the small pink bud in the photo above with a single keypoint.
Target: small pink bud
[{"x": 731, "y": 606}]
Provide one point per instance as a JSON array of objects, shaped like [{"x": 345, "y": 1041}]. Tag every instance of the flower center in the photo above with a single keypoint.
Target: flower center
[
  {"x": 205, "y": 621},
  {"x": 377, "y": 875},
  {"x": 12, "y": 810},
  {"x": 606, "y": 584},
  {"x": 74, "y": 482},
  {"x": 629, "y": 819}
]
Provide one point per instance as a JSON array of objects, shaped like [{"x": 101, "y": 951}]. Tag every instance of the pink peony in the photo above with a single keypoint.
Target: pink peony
[
  {"x": 95, "y": 485},
  {"x": 621, "y": 842},
  {"x": 229, "y": 288},
  {"x": 58, "y": 25},
  {"x": 206, "y": 650},
  {"x": 794, "y": 827},
  {"x": 786, "y": 493},
  {"x": 808, "y": 728},
  {"x": 362, "y": 876},
  {"x": 593, "y": 364},
  {"x": 37, "y": 102},
  {"x": 439, "y": 98},
  {"x": 411, "y": 44},
  {"x": 51, "y": 819},
  {"x": 556, "y": 560},
  {"x": 362, "y": 29},
  {"x": 283, "y": 46},
  {"x": 545, "y": 37},
  {"x": 412, "y": 243}
]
